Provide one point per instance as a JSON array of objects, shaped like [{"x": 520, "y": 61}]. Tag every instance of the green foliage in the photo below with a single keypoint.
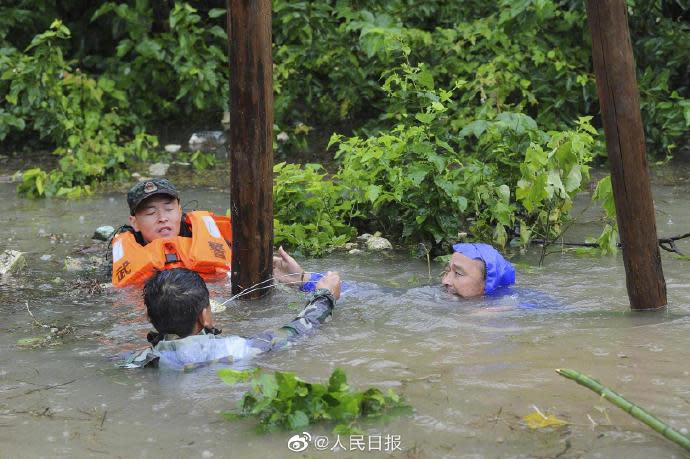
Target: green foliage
[
  {"x": 79, "y": 114},
  {"x": 456, "y": 116},
  {"x": 400, "y": 180},
  {"x": 494, "y": 154},
  {"x": 282, "y": 400},
  {"x": 321, "y": 72},
  {"x": 661, "y": 40},
  {"x": 179, "y": 70},
  {"x": 550, "y": 179},
  {"x": 666, "y": 114},
  {"x": 608, "y": 240},
  {"x": 35, "y": 85},
  {"x": 412, "y": 177},
  {"x": 202, "y": 160},
  {"x": 421, "y": 181},
  {"x": 308, "y": 209},
  {"x": 526, "y": 56}
]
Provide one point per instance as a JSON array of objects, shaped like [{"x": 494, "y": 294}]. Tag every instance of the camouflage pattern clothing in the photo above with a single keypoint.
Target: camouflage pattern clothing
[
  {"x": 205, "y": 348},
  {"x": 144, "y": 190}
]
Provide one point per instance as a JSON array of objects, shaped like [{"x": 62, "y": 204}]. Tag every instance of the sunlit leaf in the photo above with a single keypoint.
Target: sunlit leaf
[
  {"x": 537, "y": 420},
  {"x": 425, "y": 118}
]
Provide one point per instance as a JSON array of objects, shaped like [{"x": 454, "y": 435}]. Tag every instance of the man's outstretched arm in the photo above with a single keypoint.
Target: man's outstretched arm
[{"x": 317, "y": 311}]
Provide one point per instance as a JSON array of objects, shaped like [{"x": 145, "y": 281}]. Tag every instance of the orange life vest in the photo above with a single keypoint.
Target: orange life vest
[{"x": 206, "y": 252}]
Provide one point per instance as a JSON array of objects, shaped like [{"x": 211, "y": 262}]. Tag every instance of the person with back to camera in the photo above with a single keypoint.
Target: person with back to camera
[{"x": 177, "y": 305}]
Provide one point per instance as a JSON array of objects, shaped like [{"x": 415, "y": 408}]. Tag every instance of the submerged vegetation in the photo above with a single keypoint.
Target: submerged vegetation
[
  {"x": 470, "y": 117},
  {"x": 282, "y": 400}
]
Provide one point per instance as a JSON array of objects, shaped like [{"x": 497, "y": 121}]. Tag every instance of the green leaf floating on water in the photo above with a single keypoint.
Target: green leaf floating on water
[
  {"x": 537, "y": 420},
  {"x": 30, "y": 342},
  {"x": 230, "y": 376},
  {"x": 282, "y": 400}
]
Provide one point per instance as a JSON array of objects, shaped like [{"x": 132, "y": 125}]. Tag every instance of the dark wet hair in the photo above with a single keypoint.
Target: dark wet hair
[{"x": 174, "y": 299}]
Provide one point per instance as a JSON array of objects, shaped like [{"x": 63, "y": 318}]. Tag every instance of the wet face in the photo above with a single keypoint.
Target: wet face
[
  {"x": 157, "y": 217},
  {"x": 464, "y": 276}
]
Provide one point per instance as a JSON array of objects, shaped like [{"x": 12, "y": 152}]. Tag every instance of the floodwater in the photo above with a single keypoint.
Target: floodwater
[{"x": 470, "y": 369}]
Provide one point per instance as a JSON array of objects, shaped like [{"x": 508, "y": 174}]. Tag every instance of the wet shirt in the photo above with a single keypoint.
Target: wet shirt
[
  {"x": 205, "y": 348},
  {"x": 522, "y": 298}
]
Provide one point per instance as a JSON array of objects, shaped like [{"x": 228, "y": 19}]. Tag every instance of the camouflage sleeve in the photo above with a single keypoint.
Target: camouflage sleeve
[
  {"x": 317, "y": 311},
  {"x": 139, "y": 359}
]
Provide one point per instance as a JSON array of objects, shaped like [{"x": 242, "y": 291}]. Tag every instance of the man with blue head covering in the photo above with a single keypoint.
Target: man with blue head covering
[{"x": 477, "y": 269}]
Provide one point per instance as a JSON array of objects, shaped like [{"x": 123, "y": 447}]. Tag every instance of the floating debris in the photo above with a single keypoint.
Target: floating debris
[
  {"x": 103, "y": 233},
  {"x": 365, "y": 237},
  {"x": 159, "y": 169},
  {"x": 90, "y": 286},
  {"x": 633, "y": 410},
  {"x": 216, "y": 306},
  {"x": 31, "y": 342},
  {"x": 538, "y": 420},
  {"x": 74, "y": 264},
  {"x": 55, "y": 332},
  {"x": 11, "y": 261},
  {"x": 205, "y": 139}
]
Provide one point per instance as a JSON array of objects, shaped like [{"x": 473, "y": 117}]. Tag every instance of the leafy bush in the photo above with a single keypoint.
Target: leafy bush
[
  {"x": 666, "y": 115},
  {"x": 284, "y": 401},
  {"x": 455, "y": 116},
  {"x": 521, "y": 56},
  {"x": 179, "y": 70},
  {"x": 308, "y": 208},
  {"x": 421, "y": 182},
  {"x": 417, "y": 187},
  {"x": 608, "y": 240},
  {"x": 550, "y": 178},
  {"x": 78, "y": 113}
]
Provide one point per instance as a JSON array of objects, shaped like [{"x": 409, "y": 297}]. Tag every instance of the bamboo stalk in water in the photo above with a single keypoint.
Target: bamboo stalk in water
[{"x": 630, "y": 408}]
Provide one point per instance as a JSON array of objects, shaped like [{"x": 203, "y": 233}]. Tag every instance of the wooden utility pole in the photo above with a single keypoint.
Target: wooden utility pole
[
  {"x": 614, "y": 67},
  {"x": 251, "y": 142}
]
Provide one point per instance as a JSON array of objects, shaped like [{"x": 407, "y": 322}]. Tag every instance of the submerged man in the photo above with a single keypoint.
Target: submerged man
[
  {"x": 177, "y": 305},
  {"x": 474, "y": 269},
  {"x": 477, "y": 269}
]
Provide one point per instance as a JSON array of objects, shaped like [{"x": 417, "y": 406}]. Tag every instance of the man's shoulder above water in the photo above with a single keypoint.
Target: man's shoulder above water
[{"x": 190, "y": 352}]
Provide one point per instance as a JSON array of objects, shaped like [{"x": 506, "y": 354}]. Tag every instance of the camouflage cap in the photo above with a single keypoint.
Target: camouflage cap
[{"x": 144, "y": 190}]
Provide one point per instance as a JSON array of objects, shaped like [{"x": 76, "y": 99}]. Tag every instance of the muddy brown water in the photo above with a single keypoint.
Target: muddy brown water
[{"x": 471, "y": 369}]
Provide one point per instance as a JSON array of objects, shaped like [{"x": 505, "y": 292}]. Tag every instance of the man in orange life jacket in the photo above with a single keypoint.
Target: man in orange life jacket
[{"x": 160, "y": 236}]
